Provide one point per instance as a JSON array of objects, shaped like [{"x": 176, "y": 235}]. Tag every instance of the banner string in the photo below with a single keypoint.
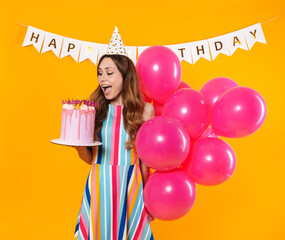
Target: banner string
[
  {"x": 273, "y": 18},
  {"x": 13, "y": 21},
  {"x": 260, "y": 23}
]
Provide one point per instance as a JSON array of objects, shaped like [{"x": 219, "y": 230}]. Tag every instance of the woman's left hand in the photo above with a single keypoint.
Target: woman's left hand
[{"x": 150, "y": 217}]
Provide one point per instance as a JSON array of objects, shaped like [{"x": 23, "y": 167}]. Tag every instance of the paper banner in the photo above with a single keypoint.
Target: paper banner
[
  {"x": 52, "y": 42},
  {"x": 89, "y": 51},
  {"x": 253, "y": 34},
  {"x": 132, "y": 53},
  {"x": 102, "y": 49},
  {"x": 200, "y": 49},
  {"x": 190, "y": 52},
  {"x": 219, "y": 45},
  {"x": 141, "y": 49},
  {"x": 236, "y": 40},
  {"x": 183, "y": 51},
  {"x": 34, "y": 37},
  {"x": 70, "y": 47}
]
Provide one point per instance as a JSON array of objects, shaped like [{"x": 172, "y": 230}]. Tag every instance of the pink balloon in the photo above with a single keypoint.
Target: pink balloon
[
  {"x": 239, "y": 112},
  {"x": 183, "y": 85},
  {"x": 211, "y": 161},
  {"x": 159, "y": 71},
  {"x": 215, "y": 87},
  {"x": 158, "y": 108},
  {"x": 191, "y": 108},
  {"x": 162, "y": 143},
  {"x": 169, "y": 195}
]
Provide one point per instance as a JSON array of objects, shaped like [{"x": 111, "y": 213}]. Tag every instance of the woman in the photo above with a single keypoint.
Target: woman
[{"x": 112, "y": 206}]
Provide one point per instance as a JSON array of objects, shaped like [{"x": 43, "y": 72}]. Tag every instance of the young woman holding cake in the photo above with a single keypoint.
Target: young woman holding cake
[{"x": 112, "y": 206}]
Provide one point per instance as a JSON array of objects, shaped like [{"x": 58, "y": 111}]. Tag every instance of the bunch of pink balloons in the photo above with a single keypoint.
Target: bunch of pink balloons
[{"x": 182, "y": 141}]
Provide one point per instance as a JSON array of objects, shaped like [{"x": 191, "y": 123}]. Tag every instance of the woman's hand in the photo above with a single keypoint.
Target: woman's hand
[
  {"x": 85, "y": 153},
  {"x": 150, "y": 217}
]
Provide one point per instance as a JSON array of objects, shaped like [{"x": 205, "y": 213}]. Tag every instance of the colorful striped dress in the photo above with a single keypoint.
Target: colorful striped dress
[{"x": 112, "y": 205}]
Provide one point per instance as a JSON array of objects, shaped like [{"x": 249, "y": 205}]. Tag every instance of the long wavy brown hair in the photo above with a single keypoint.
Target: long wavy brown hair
[{"x": 132, "y": 99}]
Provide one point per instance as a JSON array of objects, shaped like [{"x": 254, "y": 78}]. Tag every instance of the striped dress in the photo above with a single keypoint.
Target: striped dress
[{"x": 112, "y": 205}]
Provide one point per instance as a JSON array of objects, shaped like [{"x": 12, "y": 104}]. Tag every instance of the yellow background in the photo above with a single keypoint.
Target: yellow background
[{"x": 42, "y": 183}]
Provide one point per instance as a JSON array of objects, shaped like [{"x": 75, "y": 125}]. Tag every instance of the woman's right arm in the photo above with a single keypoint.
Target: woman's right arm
[{"x": 85, "y": 153}]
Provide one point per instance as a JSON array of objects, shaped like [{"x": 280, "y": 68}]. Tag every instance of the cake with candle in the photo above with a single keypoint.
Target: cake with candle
[{"x": 77, "y": 122}]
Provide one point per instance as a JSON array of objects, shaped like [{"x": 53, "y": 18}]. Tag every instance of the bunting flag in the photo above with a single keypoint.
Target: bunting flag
[{"x": 190, "y": 52}]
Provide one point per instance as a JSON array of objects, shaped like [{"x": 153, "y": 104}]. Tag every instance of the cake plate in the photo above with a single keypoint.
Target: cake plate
[{"x": 60, "y": 142}]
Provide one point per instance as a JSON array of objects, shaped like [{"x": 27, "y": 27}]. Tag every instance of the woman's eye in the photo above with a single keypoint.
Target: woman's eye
[{"x": 107, "y": 74}]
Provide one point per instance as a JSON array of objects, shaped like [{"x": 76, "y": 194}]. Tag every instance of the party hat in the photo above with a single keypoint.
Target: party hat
[{"x": 116, "y": 45}]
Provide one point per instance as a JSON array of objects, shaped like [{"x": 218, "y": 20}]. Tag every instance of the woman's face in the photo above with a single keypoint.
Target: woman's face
[{"x": 110, "y": 79}]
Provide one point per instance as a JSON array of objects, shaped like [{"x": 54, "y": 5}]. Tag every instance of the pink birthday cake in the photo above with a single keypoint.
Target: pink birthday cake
[{"x": 77, "y": 122}]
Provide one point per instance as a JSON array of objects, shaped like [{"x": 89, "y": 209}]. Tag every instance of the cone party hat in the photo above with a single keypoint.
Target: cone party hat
[{"x": 116, "y": 45}]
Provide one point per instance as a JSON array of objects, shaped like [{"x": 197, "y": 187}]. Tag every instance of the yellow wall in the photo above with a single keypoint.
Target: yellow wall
[{"x": 42, "y": 183}]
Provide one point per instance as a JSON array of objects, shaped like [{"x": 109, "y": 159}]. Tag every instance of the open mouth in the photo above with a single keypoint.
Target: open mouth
[{"x": 106, "y": 89}]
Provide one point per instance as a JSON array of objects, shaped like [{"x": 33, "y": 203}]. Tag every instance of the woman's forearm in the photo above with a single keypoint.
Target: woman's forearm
[{"x": 145, "y": 171}]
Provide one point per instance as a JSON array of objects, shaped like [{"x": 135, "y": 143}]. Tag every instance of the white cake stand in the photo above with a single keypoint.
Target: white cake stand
[{"x": 60, "y": 142}]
